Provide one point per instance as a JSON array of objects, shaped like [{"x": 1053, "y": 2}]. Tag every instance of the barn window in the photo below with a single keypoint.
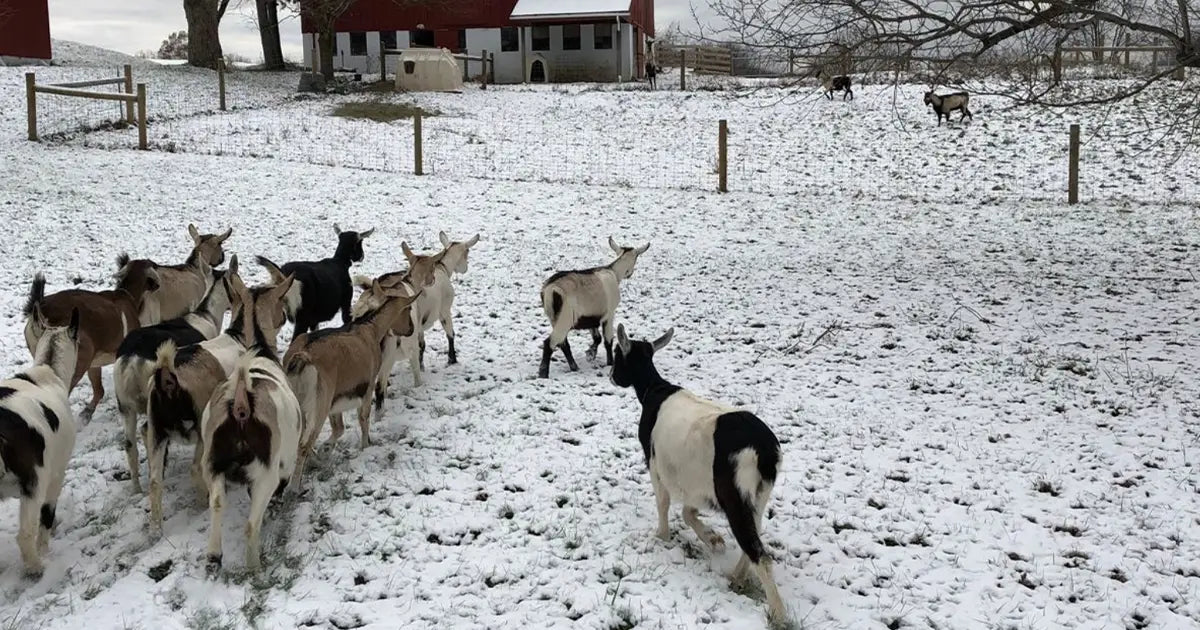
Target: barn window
[
  {"x": 603, "y": 36},
  {"x": 541, "y": 37},
  {"x": 571, "y": 38},
  {"x": 420, "y": 38},
  {"x": 387, "y": 40},
  {"x": 510, "y": 39},
  {"x": 462, "y": 40},
  {"x": 358, "y": 43}
]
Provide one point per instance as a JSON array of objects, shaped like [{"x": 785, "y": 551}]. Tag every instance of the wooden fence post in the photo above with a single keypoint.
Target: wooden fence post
[
  {"x": 31, "y": 104},
  {"x": 141, "y": 105},
  {"x": 129, "y": 115},
  {"x": 722, "y": 156},
  {"x": 1073, "y": 172},
  {"x": 418, "y": 167},
  {"x": 683, "y": 70},
  {"x": 221, "y": 81},
  {"x": 492, "y": 68},
  {"x": 483, "y": 79}
]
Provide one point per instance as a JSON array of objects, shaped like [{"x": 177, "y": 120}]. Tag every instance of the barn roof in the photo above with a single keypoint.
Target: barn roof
[{"x": 569, "y": 9}]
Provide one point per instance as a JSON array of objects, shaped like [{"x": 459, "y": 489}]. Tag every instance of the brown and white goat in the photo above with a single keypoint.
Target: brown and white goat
[
  {"x": 436, "y": 303},
  {"x": 37, "y": 435},
  {"x": 251, "y": 431},
  {"x": 419, "y": 277},
  {"x": 944, "y": 104},
  {"x": 332, "y": 371},
  {"x": 184, "y": 285},
  {"x": 105, "y": 318},
  {"x": 138, "y": 354},
  {"x": 185, "y": 378},
  {"x": 585, "y": 299}
]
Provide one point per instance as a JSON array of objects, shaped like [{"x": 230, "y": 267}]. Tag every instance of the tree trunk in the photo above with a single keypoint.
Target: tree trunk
[
  {"x": 268, "y": 29},
  {"x": 204, "y": 39},
  {"x": 325, "y": 44}
]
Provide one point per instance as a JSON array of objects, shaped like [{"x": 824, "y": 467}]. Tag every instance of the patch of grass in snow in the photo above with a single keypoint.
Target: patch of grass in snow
[
  {"x": 381, "y": 111},
  {"x": 209, "y": 618}
]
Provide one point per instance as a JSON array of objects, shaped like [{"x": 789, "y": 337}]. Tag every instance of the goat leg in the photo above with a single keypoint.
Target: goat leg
[
  {"x": 591, "y": 351},
  {"x": 566, "y": 350},
  {"x": 544, "y": 368},
  {"x": 97, "y": 394}
]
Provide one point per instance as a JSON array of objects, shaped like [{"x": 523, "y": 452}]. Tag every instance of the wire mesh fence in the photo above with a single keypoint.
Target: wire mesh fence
[{"x": 781, "y": 141}]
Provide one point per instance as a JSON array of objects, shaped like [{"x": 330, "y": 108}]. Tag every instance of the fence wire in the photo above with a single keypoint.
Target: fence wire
[{"x": 786, "y": 140}]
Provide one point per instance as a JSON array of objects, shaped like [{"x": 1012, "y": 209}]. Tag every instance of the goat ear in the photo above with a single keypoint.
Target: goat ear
[
  {"x": 642, "y": 250},
  {"x": 443, "y": 238},
  {"x": 408, "y": 253},
  {"x": 273, "y": 270},
  {"x": 337, "y": 230},
  {"x": 664, "y": 339},
  {"x": 73, "y": 327},
  {"x": 233, "y": 264},
  {"x": 364, "y": 235},
  {"x": 283, "y": 287},
  {"x": 152, "y": 282},
  {"x": 225, "y": 235},
  {"x": 471, "y": 243},
  {"x": 194, "y": 233},
  {"x": 613, "y": 244},
  {"x": 622, "y": 339}
]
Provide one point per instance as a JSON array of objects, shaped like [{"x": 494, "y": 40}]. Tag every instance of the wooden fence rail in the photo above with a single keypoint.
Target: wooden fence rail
[{"x": 127, "y": 96}]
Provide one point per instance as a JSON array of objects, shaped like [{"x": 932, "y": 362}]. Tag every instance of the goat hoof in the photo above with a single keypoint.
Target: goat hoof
[
  {"x": 34, "y": 573},
  {"x": 214, "y": 562},
  {"x": 663, "y": 535},
  {"x": 544, "y": 373},
  {"x": 590, "y": 354},
  {"x": 716, "y": 542}
]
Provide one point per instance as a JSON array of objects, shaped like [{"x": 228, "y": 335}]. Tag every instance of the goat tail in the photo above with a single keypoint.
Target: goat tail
[
  {"x": 297, "y": 362},
  {"x": 37, "y": 293},
  {"x": 165, "y": 379},
  {"x": 242, "y": 407},
  {"x": 303, "y": 382}
]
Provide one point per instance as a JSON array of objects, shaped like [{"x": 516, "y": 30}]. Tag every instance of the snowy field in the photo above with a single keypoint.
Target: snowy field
[{"x": 987, "y": 399}]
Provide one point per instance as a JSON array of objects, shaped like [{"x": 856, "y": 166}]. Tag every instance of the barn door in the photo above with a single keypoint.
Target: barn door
[{"x": 451, "y": 39}]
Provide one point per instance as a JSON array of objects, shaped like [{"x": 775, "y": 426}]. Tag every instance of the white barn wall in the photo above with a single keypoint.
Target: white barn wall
[{"x": 585, "y": 64}]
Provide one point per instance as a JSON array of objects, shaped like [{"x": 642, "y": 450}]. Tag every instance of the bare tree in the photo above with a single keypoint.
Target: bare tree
[
  {"x": 204, "y": 37},
  {"x": 951, "y": 38},
  {"x": 323, "y": 14}
]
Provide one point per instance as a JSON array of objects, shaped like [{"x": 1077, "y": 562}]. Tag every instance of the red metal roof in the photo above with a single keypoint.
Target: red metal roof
[{"x": 388, "y": 15}]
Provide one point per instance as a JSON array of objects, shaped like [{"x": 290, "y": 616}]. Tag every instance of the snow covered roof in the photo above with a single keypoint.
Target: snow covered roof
[{"x": 569, "y": 9}]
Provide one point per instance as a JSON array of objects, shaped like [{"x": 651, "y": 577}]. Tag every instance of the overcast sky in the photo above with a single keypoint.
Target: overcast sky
[{"x": 129, "y": 26}]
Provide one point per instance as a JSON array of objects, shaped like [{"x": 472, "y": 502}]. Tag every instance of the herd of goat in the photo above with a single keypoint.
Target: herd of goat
[
  {"x": 254, "y": 415},
  {"x": 942, "y": 104}
]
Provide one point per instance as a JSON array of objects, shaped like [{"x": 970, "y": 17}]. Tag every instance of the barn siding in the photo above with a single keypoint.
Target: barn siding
[{"x": 26, "y": 33}]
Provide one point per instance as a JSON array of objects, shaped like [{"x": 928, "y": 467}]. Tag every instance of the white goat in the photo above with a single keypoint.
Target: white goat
[
  {"x": 585, "y": 299},
  {"x": 138, "y": 353},
  {"x": 37, "y": 435},
  {"x": 705, "y": 455}
]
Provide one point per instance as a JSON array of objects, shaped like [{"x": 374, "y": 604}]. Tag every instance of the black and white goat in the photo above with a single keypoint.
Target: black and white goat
[
  {"x": 37, "y": 435},
  {"x": 585, "y": 299},
  {"x": 943, "y": 104},
  {"x": 831, "y": 84},
  {"x": 137, "y": 357},
  {"x": 250, "y": 429},
  {"x": 321, "y": 287},
  {"x": 703, "y": 454}
]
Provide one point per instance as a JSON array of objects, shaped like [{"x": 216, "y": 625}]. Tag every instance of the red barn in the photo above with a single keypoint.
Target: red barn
[
  {"x": 24, "y": 31},
  {"x": 533, "y": 40}
]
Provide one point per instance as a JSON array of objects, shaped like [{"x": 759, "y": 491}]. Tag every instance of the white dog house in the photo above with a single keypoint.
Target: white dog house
[{"x": 428, "y": 70}]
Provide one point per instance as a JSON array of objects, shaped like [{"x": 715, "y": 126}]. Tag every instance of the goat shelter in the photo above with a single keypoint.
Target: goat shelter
[{"x": 428, "y": 70}]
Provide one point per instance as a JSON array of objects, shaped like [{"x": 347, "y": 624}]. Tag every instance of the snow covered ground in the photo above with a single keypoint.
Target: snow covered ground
[{"x": 986, "y": 398}]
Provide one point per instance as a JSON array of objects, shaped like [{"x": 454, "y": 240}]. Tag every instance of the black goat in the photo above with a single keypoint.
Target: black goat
[
  {"x": 321, "y": 288},
  {"x": 943, "y": 104}
]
